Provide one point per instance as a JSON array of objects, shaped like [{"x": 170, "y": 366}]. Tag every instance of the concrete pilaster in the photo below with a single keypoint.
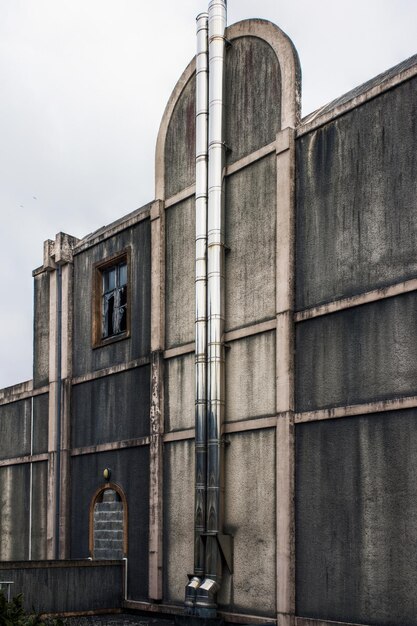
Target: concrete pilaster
[
  {"x": 285, "y": 378},
  {"x": 157, "y": 400},
  {"x": 59, "y": 260}
]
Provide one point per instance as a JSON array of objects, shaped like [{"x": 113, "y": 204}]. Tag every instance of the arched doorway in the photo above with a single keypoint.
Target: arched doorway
[{"x": 108, "y": 523}]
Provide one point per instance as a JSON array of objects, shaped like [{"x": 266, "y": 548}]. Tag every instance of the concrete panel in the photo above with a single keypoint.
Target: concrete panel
[
  {"x": 112, "y": 408},
  {"x": 250, "y": 377},
  {"x": 251, "y": 237},
  {"x": 253, "y": 80},
  {"x": 40, "y": 423},
  {"x": 180, "y": 143},
  {"x": 178, "y": 518},
  {"x": 15, "y": 429},
  {"x": 130, "y": 470},
  {"x": 358, "y": 355},
  {"x": 357, "y": 200},
  {"x": 356, "y": 519},
  {"x": 250, "y": 516},
  {"x": 85, "y": 359},
  {"x": 14, "y": 512},
  {"x": 179, "y": 286},
  {"x": 39, "y": 507},
  {"x": 179, "y": 393},
  {"x": 41, "y": 330}
]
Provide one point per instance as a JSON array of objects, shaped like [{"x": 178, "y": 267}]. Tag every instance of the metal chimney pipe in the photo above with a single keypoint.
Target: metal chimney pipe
[
  {"x": 200, "y": 309},
  {"x": 201, "y": 290},
  {"x": 206, "y": 605},
  {"x": 201, "y": 194}
]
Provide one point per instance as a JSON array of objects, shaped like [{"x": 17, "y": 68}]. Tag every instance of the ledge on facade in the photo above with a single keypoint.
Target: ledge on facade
[
  {"x": 370, "y": 89},
  {"x": 16, "y": 390},
  {"x": 104, "y": 232}
]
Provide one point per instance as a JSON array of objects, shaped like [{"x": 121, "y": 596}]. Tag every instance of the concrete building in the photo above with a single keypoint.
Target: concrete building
[{"x": 311, "y": 357}]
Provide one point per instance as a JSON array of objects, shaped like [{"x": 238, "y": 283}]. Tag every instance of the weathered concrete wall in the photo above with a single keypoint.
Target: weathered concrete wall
[
  {"x": 178, "y": 518},
  {"x": 15, "y": 429},
  {"x": 39, "y": 509},
  {"x": 14, "y": 507},
  {"x": 356, "y": 508},
  {"x": 111, "y": 408},
  {"x": 88, "y": 586},
  {"x": 250, "y": 517},
  {"x": 253, "y": 80},
  {"x": 357, "y": 355},
  {"x": 250, "y": 378},
  {"x": 41, "y": 330},
  {"x": 179, "y": 274},
  {"x": 130, "y": 470},
  {"x": 357, "y": 200},
  {"x": 251, "y": 236},
  {"x": 356, "y": 229},
  {"x": 180, "y": 143},
  {"x": 40, "y": 423},
  {"x": 179, "y": 393},
  {"x": 85, "y": 358}
]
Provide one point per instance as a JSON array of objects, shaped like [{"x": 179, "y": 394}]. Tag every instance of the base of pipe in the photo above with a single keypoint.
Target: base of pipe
[
  {"x": 206, "y": 599},
  {"x": 190, "y": 594}
]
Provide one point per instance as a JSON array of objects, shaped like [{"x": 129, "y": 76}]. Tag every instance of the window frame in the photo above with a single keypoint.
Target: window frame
[{"x": 97, "y": 340}]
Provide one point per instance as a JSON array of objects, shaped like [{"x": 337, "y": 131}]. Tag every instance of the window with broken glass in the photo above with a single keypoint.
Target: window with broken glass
[
  {"x": 114, "y": 300},
  {"x": 111, "y": 299}
]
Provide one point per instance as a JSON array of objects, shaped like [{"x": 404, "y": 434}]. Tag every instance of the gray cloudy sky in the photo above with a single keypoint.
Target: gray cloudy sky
[{"x": 83, "y": 87}]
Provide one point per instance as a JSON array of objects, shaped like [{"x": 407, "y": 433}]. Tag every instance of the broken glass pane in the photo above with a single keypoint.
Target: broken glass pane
[
  {"x": 122, "y": 274},
  {"x": 114, "y": 300}
]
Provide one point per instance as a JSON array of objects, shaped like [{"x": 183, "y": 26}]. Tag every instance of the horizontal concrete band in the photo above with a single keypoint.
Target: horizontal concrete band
[
  {"x": 318, "y": 119},
  {"x": 109, "y": 371},
  {"x": 305, "y": 621},
  {"x": 181, "y": 435},
  {"x": 277, "y": 146},
  {"x": 187, "y": 348},
  {"x": 229, "y": 428},
  {"x": 184, "y": 194},
  {"x": 364, "y": 298},
  {"x": 382, "y": 406},
  {"x": 260, "y": 423},
  {"x": 114, "y": 445},
  {"x": 231, "y": 335},
  {"x": 113, "y": 229},
  {"x": 19, "y": 460},
  {"x": 22, "y": 395}
]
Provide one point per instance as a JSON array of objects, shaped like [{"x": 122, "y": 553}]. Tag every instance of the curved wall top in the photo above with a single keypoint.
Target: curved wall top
[{"x": 263, "y": 95}]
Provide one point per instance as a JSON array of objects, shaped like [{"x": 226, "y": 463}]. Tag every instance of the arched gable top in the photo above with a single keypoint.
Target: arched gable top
[
  {"x": 288, "y": 60},
  {"x": 179, "y": 88},
  {"x": 174, "y": 162}
]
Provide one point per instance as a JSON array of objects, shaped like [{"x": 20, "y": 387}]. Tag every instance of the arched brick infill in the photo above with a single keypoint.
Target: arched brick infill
[{"x": 108, "y": 523}]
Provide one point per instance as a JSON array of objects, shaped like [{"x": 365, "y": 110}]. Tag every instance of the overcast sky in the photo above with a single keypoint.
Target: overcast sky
[{"x": 83, "y": 85}]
